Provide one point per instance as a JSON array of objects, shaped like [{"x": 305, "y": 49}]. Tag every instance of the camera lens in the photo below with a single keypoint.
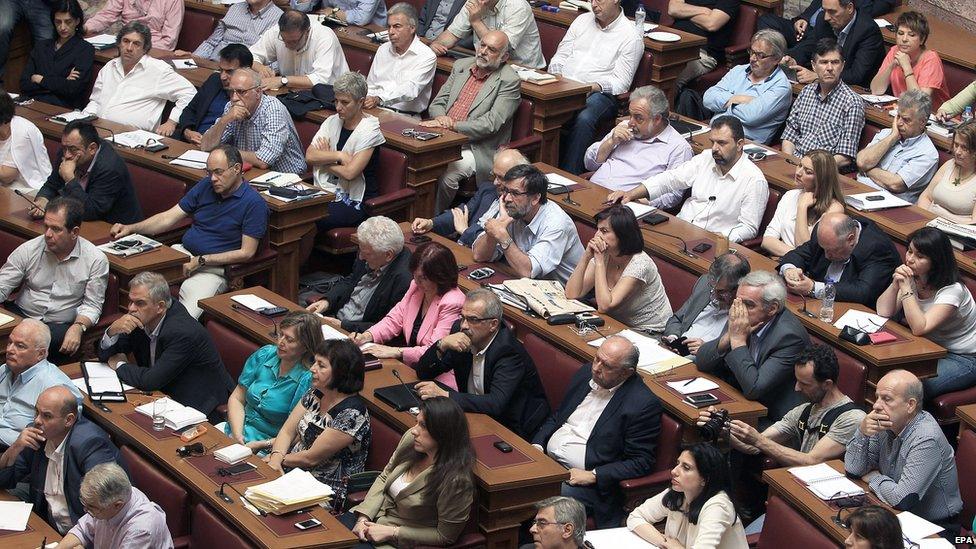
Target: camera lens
[{"x": 712, "y": 429}]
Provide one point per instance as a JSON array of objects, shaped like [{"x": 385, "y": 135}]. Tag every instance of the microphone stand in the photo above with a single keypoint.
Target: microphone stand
[{"x": 684, "y": 245}]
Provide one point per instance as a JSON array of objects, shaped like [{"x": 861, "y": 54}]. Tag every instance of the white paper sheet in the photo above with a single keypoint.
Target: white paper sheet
[
  {"x": 4, "y": 319},
  {"x": 556, "y": 180},
  {"x": 252, "y": 301},
  {"x": 615, "y": 538},
  {"x": 192, "y": 159},
  {"x": 328, "y": 332},
  {"x": 14, "y": 515},
  {"x": 278, "y": 179},
  {"x": 184, "y": 64},
  {"x": 690, "y": 386},
  {"x": 862, "y": 320},
  {"x": 651, "y": 352},
  {"x": 640, "y": 210},
  {"x": 882, "y": 23},
  {"x": 101, "y": 40},
  {"x": 915, "y": 527}
]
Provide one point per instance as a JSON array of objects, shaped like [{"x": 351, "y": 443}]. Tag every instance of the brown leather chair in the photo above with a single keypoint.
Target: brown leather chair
[
  {"x": 8, "y": 243},
  {"x": 197, "y": 27},
  {"x": 966, "y": 468},
  {"x": 358, "y": 60},
  {"x": 660, "y": 6},
  {"x": 550, "y": 35},
  {"x": 555, "y": 367},
  {"x": 585, "y": 231},
  {"x": 381, "y": 447},
  {"x": 636, "y": 490},
  {"x": 786, "y": 527},
  {"x": 111, "y": 311},
  {"x": 735, "y": 53},
  {"x": 677, "y": 281},
  {"x": 254, "y": 271},
  {"x": 234, "y": 349},
  {"x": 957, "y": 77},
  {"x": 158, "y": 192},
  {"x": 209, "y": 531},
  {"x": 171, "y": 497}
]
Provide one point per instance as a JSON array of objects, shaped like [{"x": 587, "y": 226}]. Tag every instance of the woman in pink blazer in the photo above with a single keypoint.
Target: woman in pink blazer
[{"x": 425, "y": 314}]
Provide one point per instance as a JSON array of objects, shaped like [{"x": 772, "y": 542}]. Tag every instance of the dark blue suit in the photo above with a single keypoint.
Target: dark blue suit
[
  {"x": 86, "y": 446},
  {"x": 621, "y": 445},
  {"x": 477, "y": 206},
  {"x": 196, "y": 110}
]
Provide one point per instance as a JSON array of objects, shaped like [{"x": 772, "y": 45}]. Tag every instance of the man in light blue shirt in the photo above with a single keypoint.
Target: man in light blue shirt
[
  {"x": 757, "y": 93},
  {"x": 25, "y": 376},
  {"x": 354, "y": 12},
  {"x": 902, "y": 159}
]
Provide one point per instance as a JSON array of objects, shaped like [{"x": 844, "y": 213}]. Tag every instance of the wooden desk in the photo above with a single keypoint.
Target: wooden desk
[
  {"x": 944, "y": 37},
  {"x": 967, "y": 414},
  {"x": 5, "y": 329},
  {"x": 505, "y": 494},
  {"x": 288, "y": 221},
  {"x": 911, "y": 352},
  {"x": 37, "y": 531},
  {"x": 163, "y": 454}
]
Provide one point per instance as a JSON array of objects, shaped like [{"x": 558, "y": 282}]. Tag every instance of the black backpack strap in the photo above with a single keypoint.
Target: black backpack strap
[
  {"x": 832, "y": 416},
  {"x": 804, "y": 418}
]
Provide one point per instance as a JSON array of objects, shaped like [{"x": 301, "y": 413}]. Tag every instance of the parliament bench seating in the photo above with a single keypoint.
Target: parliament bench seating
[
  {"x": 171, "y": 497},
  {"x": 966, "y": 469},
  {"x": 785, "y": 527},
  {"x": 197, "y": 27},
  {"x": 234, "y": 350},
  {"x": 209, "y": 531}
]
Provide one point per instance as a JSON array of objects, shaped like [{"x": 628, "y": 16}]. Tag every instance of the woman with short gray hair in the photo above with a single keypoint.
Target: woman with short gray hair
[{"x": 343, "y": 154}]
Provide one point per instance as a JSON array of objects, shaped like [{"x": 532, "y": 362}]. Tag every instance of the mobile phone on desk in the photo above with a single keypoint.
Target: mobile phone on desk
[{"x": 308, "y": 524}]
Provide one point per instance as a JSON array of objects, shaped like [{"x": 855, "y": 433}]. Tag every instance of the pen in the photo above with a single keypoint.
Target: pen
[
  {"x": 689, "y": 382},
  {"x": 273, "y": 177},
  {"x": 44, "y": 542}
]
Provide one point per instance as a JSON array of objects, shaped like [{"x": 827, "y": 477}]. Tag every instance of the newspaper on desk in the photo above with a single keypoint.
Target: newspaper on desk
[
  {"x": 545, "y": 297},
  {"x": 130, "y": 245},
  {"x": 67, "y": 117},
  {"x": 533, "y": 76},
  {"x": 961, "y": 236},
  {"x": 653, "y": 358},
  {"x": 136, "y": 139}
]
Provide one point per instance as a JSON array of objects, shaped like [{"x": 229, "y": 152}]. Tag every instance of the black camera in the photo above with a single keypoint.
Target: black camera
[{"x": 712, "y": 429}]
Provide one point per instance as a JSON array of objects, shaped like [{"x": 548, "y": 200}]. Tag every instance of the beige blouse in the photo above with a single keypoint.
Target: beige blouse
[
  {"x": 958, "y": 199},
  {"x": 718, "y": 525}
]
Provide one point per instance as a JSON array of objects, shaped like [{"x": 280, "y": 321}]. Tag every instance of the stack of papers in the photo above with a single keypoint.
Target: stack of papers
[
  {"x": 575, "y": 5},
  {"x": 102, "y": 380},
  {"x": 235, "y": 453},
  {"x": 4, "y": 319},
  {"x": 826, "y": 482},
  {"x": 278, "y": 179},
  {"x": 615, "y": 538},
  {"x": 691, "y": 386},
  {"x": 877, "y": 200},
  {"x": 557, "y": 182},
  {"x": 861, "y": 320},
  {"x": 881, "y": 23},
  {"x": 509, "y": 298},
  {"x": 653, "y": 357},
  {"x": 961, "y": 236},
  {"x": 102, "y": 41},
  {"x": 876, "y": 99},
  {"x": 14, "y": 515},
  {"x": 252, "y": 302},
  {"x": 192, "y": 159},
  {"x": 330, "y": 333},
  {"x": 130, "y": 245},
  {"x": 295, "y": 490},
  {"x": 136, "y": 139},
  {"x": 535, "y": 77},
  {"x": 180, "y": 64},
  {"x": 640, "y": 210},
  {"x": 381, "y": 36},
  {"x": 176, "y": 415},
  {"x": 915, "y": 528},
  {"x": 72, "y": 116}
]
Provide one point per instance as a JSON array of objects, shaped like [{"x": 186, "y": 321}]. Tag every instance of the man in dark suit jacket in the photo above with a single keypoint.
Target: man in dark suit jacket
[
  {"x": 379, "y": 279},
  {"x": 795, "y": 29},
  {"x": 209, "y": 102},
  {"x": 79, "y": 444},
  {"x": 173, "y": 352},
  {"x": 609, "y": 411},
  {"x": 852, "y": 253},
  {"x": 855, "y": 31},
  {"x": 494, "y": 374},
  {"x": 758, "y": 349},
  {"x": 90, "y": 171}
]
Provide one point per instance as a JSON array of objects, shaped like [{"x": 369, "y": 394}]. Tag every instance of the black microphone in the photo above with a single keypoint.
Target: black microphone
[
  {"x": 19, "y": 193},
  {"x": 243, "y": 309},
  {"x": 396, "y": 374},
  {"x": 223, "y": 495},
  {"x": 109, "y": 130},
  {"x": 684, "y": 244},
  {"x": 708, "y": 210},
  {"x": 804, "y": 310}
]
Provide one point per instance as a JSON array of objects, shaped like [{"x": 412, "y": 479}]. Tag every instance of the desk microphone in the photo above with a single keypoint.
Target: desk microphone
[
  {"x": 804, "y": 310},
  {"x": 396, "y": 374},
  {"x": 245, "y": 310},
  {"x": 21, "y": 194},
  {"x": 708, "y": 210},
  {"x": 223, "y": 495},
  {"x": 568, "y": 199},
  {"x": 684, "y": 244}
]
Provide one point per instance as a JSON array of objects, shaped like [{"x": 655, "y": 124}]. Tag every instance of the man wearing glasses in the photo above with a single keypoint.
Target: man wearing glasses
[
  {"x": 495, "y": 376},
  {"x": 229, "y": 220},
  {"x": 757, "y": 93},
  {"x": 536, "y": 237},
  {"x": 258, "y": 125},
  {"x": 209, "y": 103},
  {"x": 306, "y": 55},
  {"x": 560, "y": 523}
]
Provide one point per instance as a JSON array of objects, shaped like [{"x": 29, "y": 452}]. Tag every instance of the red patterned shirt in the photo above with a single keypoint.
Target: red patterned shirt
[{"x": 459, "y": 110}]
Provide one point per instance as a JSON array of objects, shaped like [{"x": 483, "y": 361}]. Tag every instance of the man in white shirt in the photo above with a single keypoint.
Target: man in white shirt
[
  {"x": 728, "y": 191},
  {"x": 601, "y": 49},
  {"x": 24, "y": 164},
  {"x": 402, "y": 72},
  {"x": 306, "y": 54},
  {"x": 133, "y": 88},
  {"x": 513, "y": 17}
]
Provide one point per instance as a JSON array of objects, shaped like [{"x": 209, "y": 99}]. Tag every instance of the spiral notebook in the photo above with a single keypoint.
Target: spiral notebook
[{"x": 826, "y": 482}]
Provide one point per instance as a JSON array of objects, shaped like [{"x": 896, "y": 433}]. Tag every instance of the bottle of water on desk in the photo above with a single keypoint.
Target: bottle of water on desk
[
  {"x": 967, "y": 115},
  {"x": 639, "y": 17},
  {"x": 827, "y": 303}
]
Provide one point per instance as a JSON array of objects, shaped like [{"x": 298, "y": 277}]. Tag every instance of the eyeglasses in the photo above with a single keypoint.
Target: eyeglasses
[
  {"x": 473, "y": 319},
  {"x": 513, "y": 192},
  {"x": 232, "y": 92},
  {"x": 219, "y": 172},
  {"x": 728, "y": 292},
  {"x": 759, "y": 55},
  {"x": 542, "y": 523}
]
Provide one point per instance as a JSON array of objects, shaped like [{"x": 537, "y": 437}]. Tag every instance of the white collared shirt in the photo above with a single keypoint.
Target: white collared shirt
[
  {"x": 568, "y": 444},
  {"x": 25, "y": 151},
  {"x": 403, "y": 81},
  {"x": 138, "y": 98},
  {"x": 605, "y": 55},
  {"x": 320, "y": 59},
  {"x": 516, "y": 20},
  {"x": 731, "y": 203},
  {"x": 54, "y": 487},
  {"x": 476, "y": 380}
]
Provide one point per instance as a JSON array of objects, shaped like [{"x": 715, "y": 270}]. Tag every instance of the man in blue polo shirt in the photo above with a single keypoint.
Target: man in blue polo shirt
[{"x": 229, "y": 220}]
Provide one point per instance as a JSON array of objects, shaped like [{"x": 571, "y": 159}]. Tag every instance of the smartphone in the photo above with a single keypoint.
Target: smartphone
[
  {"x": 419, "y": 239},
  {"x": 655, "y": 218},
  {"x": 874, "y": 198},
  {"x": 702, "y": 248},
  {"x": 235, "y": 470},
  {"x": 156, "y": 147},
  {"x": 482, "y": 273},
  {"x": 503, "y": 446},
  {"x": 680, "y": 346},
  {"x": 307, "y": 524},
  {"x": 702, "y": 400}
]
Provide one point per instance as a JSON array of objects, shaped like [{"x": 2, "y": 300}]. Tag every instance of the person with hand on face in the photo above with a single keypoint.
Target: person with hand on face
[
  {"x": 62, "y": 279},
  {"x": 627, "y": 283},
  {"x": 173, "y": 352},
  {"x": 26, "y": 374},
  {"x": 909, "y": 65},
  {"x": 874, "y": 527},
  {"x": 306, "y": 54},
  {"x": 243, "y": 25},
  {"x": 53, "y": 455},
  {"x": 425, "y": 493},
  {"x": 827, "y": 114},
  {"x": 728, "y": 191},
  {"x": 758, "y": 349},
  {"x": 478, "y": 18},
  {"x": 229, "y": 220},
  {"x": 902, "y": 159},
  {"x": 402, "y": 74},
  {"x": 493, "y": 372},
  {"x": 209, "y": 103},
  {"x": 534, "y": 235},
  {"x": 466, "y": 222},
  {"x": 134, "y": 88},
  {"x": 697, "y": 509},
  {"x": 901, "y": 452},
  {"x": 640, "y": 147},
  {"x": 328, "y": 431},
  {"x": 796, "y": 28},
  {"x": 59, "y": 70},
  {"x": 272, "y": 383},
  {"x": 852, "y": 254},
  {"x": 799, "y": 210},
  {"x": 93, "y": 174},
  {"x": 559, "y": 523},
  {"x": 487, "y": 122},
  {"x": 258, "y": 125},
  {"x": 24, "y": 162},
  {"x": 952, "y": 193},
  {"x": 926, "y": 290}
]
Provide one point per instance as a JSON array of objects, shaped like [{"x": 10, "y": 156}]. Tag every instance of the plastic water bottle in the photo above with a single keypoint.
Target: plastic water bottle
[
  {"x": 827, "y": 303},
  {"x": 639, "y": 17},
  {"x": 967, "y": 115}
]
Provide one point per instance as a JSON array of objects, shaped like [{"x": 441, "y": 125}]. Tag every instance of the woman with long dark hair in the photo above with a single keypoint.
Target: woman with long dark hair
[
  {"x": 927, "y": 291},
  {"x": 873, "y": 527},
  {"x": 59, "y": 70},
  {"x": 697, "y": 508},
  {"x": 425, "y": 493}
]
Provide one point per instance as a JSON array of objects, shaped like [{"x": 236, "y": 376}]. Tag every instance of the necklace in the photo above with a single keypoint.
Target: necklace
[{"x": 958, "y": 180}]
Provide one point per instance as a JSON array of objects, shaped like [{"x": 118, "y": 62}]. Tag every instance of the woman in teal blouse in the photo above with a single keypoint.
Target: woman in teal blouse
[{"x": 272, "y": 383}]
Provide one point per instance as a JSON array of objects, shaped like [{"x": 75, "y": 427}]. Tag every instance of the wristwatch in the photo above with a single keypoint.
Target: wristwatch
[
  {"x": 83, "y": 327},
  {"x": 504, "y": 245},
  {"x": 284, "y": 80},
  {"x": 201, "y": 260}
]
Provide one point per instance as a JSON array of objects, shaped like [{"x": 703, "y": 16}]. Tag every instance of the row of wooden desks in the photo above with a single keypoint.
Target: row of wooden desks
[
  {"x": 668, "y": 240},
  {"x": 38, "y": 530},
  {"x": 199, "y": 475},
  {"x": 506, "y": 491}
]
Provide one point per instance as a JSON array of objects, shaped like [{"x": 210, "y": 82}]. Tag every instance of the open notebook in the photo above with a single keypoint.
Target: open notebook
[{"x": 826, "y": 482}]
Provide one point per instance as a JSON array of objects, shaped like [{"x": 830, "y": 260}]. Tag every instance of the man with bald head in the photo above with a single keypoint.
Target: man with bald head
[
  {"x": 467, "y": 221},
  {"x": 604, "y": 431},
  {"x": 257, "y": 124},
  {"x": 900, "y": 451},
  {"x": 478, "y": 100},
  {"x": 26, "y": 374},
  {"x": 852, "y": 254},
  {"x": 53, "y": 455}
]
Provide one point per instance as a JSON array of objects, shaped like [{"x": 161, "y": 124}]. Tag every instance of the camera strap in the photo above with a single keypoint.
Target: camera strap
[{"x": 825, "y": 422}]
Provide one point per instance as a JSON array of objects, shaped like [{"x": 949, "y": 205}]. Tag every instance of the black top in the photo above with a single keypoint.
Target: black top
[
  {"x": 718, "y": 40},
  {"x": 371, "y": 169},
  {"x": 55, "y": 65},
  {"x": 864, "y": 48},
  {"x": 389, "y": 290}
]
